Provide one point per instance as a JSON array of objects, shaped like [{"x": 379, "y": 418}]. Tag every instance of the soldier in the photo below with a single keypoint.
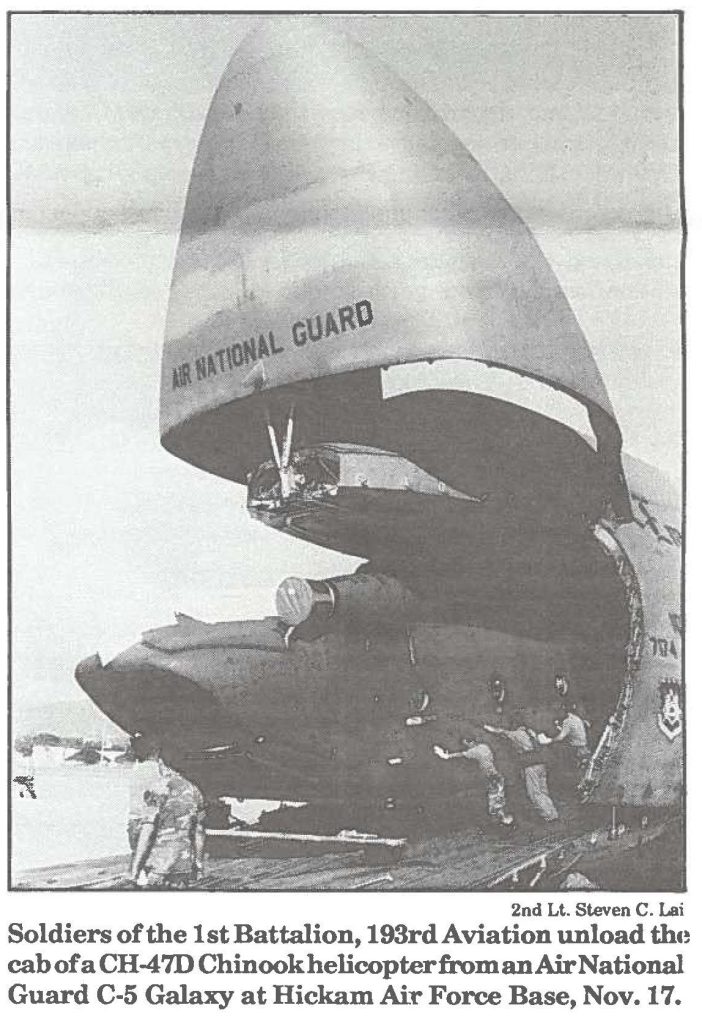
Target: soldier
[
  {"x": 535, "y": 776},
  {"x": 166, "y": 824},
  {"x": 572, "y": 732},
  {"x": 146, "y": 789},
  {"x": 475, "y": 749}
]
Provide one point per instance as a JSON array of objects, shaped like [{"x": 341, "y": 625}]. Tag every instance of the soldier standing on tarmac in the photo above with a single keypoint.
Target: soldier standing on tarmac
[{"x": 166, "y": 823}]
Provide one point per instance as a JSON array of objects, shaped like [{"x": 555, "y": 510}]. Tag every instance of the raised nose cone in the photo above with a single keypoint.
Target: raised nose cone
[
  {"x": 335, "y": 224},
  {"x": 304, "y": 120}
]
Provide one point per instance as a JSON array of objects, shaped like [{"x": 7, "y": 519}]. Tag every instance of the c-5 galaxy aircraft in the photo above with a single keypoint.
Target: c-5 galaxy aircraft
[{"x": 335, "y": 229}]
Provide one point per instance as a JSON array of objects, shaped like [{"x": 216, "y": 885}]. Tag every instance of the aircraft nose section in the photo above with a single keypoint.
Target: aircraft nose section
[
  {"x": 87, "y": 667},
  {"x": 142, "y": 697}
]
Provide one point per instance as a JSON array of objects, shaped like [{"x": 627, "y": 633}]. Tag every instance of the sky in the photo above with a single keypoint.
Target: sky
[
  {"x": 574, "y": 118},
  {"x": 107, "y": 110}
]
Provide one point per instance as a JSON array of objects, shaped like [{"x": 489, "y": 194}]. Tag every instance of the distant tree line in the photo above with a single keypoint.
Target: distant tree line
[{"x": 88, "y": 751}]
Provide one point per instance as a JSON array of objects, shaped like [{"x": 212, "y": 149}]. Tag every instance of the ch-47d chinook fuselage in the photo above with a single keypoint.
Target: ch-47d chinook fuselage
[{"x": 334, "y": 228}]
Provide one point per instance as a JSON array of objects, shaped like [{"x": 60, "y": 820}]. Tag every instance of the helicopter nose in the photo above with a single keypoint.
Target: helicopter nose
[{"x": 143, "y": 698}]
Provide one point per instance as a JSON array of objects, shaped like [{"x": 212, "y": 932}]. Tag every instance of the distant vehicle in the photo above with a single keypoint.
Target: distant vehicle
[{"x": 335, "y": 227}]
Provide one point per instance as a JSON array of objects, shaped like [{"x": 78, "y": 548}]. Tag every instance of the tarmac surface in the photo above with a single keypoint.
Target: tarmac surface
[{"x": 635, "y": 858}]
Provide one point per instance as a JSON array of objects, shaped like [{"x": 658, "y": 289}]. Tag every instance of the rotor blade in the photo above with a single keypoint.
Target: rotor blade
[
  {"x": 287, "y": 446},
  {"x": 273, "y": 440}
]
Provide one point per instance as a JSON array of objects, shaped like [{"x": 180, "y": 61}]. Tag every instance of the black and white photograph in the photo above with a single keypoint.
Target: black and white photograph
[{"x": 346, "y": 452}]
